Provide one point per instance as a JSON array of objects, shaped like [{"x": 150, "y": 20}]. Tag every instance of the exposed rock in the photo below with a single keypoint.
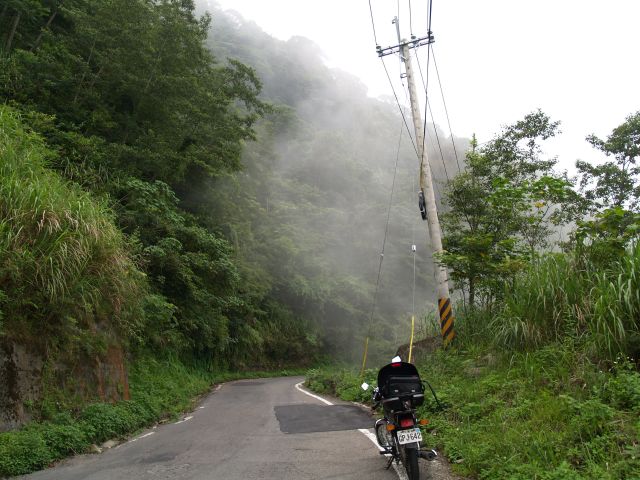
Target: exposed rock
[
  {"x": 20, "y": 383},
  {"x": 420, "y": 348},
  {"x": 100, "y": 377},
  {"x": 108, "y": 444}
]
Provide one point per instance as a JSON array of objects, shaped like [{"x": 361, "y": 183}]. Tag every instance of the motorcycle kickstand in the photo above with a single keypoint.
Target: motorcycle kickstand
[{"x": 389, "y": 463}]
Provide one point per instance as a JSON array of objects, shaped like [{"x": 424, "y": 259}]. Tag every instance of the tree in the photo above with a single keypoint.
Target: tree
[
  {"x": 502, "y": 208},
  {"x": 614, "y": 183},
  {"x": 613, "y": 192}
]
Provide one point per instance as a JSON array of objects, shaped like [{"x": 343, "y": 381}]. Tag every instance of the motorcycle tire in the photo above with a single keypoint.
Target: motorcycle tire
[
  {"x": 382, "y": 435},
  {"x": 410, "y": 461}
]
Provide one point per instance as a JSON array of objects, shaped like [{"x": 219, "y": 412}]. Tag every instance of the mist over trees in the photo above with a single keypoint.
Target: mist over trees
[{"x": 326, "y": 179}]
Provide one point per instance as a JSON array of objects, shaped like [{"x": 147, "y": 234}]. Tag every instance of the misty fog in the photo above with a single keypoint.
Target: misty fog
[{"x": 321, "y": 170}]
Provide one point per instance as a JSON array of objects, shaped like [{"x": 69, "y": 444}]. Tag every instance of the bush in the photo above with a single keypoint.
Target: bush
[
  {"x": 622, "y": 389},
  {"x": 63, "y": 440},
  {"x": 23, "y": 452}
]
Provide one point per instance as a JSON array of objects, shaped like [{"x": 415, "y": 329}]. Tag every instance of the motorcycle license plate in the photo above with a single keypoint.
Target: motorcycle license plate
[{"x": 409, "y": 436}]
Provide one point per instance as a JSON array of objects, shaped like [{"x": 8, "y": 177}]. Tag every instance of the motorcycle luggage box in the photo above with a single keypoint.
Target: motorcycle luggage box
[
  {"x": 400, "y": 386},
  {"x": 399, "y": 369},
  {"x": 397, "y": 382},
  {"x": 396, "y": 404}
]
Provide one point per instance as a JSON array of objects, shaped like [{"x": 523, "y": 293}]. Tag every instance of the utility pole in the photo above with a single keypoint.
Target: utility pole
[{"x": 426, "y": 196}]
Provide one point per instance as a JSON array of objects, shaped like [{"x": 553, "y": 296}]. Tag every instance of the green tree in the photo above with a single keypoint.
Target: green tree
[
  {"x": 502, "y": 208},
  {"x": 612, "y": 190},
  {"x": 614, "y": 183}
]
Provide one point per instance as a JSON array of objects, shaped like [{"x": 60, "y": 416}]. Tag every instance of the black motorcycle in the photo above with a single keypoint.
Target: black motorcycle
[{"x": 400, "y": 391}]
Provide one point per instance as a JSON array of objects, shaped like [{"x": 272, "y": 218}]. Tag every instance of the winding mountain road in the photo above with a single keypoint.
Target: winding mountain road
[{"x": 248, "y": 429}]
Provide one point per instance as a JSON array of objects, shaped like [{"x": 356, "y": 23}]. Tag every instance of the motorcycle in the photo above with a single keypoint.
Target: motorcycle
[{"x": 400, "y": 391}]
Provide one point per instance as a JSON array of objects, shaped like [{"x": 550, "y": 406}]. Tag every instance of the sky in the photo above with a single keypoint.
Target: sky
[{"x": 576, "y": 60}]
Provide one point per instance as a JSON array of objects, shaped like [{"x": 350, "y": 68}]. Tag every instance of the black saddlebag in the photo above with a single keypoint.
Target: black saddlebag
[{"x": 401, "y": 388}]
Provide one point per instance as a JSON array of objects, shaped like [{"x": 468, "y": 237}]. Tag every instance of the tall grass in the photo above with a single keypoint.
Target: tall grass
[
  {"x": 615, "y": 322},
  {"x": 63, "y": 262},
  {"x": 568, "y": 295}
]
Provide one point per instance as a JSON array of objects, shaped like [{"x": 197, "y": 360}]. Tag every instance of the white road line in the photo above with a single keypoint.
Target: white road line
[
  {"x": 311, "y": 394},
  {"x": 141, "y": 436},
  {"x": 401, "y": 474},
  {"x": 184, "y": 419},
  {"x": 370, "y": 435}
]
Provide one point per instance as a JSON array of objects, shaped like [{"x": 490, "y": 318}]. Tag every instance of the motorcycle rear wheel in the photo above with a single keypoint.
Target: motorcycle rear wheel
[
  {"x": 410, "y": 460},
  {"x": 382, "y": 435}
]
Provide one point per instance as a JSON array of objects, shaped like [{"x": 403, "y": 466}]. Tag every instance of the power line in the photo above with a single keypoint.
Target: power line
[
  {"x": 426, "y": 84},
  {"x": 384, "y": 242},
  {"x": 433, "y": 122},
  {"x": 435, "y": 131},
  {"x": 410, "y": 20},
  {"x": 404, "y": 118},
  {"x": 373, "y": 26},
  {"x": 446, "y": 111}
]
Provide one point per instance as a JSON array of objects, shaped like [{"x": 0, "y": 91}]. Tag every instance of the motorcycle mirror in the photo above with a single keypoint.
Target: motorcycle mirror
[{"x": 365, "y": 386}]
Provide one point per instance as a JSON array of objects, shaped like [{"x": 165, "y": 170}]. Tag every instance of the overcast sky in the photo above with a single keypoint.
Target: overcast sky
[{"x": 577, "y": 60}]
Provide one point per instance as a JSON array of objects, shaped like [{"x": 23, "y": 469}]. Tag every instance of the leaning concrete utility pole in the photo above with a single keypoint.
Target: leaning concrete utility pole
[{"x": 427, "y": 198}]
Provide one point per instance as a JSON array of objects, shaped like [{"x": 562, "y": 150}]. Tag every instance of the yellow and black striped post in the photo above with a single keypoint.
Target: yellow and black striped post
[{"x": 446, "y": 320}]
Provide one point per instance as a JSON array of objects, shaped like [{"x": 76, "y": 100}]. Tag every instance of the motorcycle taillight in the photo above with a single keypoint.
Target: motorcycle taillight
[{"x": 406, "y": 422}]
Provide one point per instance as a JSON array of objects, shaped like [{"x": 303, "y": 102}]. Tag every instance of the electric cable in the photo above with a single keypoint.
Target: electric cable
[
  {"x": 404, "y": 119},
  {"x": 446, "y": 111},
  {"x": 384, "y": 242},
  {"x": 373, "y": 26},
  {"x": 426, "y": 85},
  {"x": 435, "y": 130},
  {"x": 433, "y": 122},
  {"x": 410, "y": 20}
]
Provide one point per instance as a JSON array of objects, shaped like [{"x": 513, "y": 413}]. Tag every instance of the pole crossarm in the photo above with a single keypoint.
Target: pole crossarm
[{"x": 413, "y": 43}]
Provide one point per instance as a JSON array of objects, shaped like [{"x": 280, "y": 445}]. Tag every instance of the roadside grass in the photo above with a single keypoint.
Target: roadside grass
[
  {"x": 160, "y": 389},
  {"x": 548, "y": 414}
]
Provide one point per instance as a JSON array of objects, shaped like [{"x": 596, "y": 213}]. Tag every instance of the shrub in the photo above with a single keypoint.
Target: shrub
[{"x": 23, "y": 452}]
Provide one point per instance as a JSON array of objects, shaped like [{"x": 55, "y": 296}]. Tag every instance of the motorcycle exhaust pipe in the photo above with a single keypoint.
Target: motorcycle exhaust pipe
[{"x": 429, "y": 455}]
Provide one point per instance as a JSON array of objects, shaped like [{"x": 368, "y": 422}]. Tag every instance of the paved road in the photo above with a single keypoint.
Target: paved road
[{"x": 249, "y": 429}]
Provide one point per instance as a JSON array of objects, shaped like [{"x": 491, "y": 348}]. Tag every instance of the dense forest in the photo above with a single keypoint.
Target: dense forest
[{"x": 183, "y": 195}]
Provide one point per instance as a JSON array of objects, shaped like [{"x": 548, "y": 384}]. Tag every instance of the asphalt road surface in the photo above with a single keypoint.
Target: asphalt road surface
[{"x": 248, "y": 429}]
